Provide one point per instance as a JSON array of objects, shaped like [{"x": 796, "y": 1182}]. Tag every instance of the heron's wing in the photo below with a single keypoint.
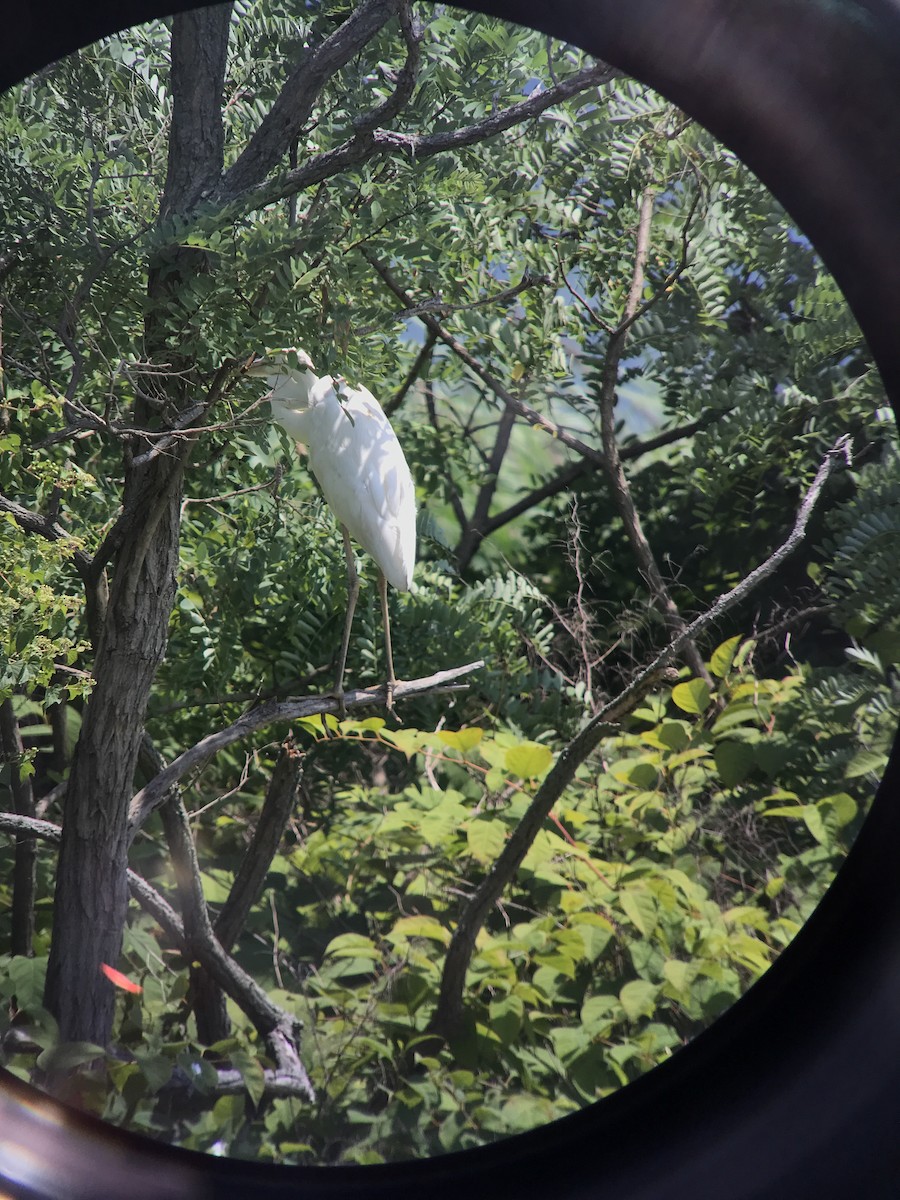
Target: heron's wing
[{"x": 369, "y": 485}]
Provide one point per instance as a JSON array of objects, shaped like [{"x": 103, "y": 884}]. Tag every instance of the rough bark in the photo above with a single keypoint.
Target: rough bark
[
  {"x": 22, "y": 940},
  {"x": 91, "y": 886}
]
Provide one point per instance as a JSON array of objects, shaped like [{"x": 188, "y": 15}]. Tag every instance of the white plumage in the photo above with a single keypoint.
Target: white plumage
[{"x": 362, "y": 471}]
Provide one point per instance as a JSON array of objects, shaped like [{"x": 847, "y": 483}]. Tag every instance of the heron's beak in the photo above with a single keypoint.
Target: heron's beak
[
  {"x": 271, "y": 362},
  {"x": 259, "y": 365}
]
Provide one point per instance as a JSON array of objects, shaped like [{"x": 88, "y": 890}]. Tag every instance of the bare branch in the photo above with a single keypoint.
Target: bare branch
[
  {"x": 449, "y": 1008},
  {"x": 618, "y": 481},
  {"x": 152, "y": 795}
]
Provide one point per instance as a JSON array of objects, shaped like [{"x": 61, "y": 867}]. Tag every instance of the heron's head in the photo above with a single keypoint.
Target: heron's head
[{"x": 289, "y": 361}]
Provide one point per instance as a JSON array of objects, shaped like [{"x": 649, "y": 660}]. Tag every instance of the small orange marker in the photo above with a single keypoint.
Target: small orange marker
[{"x": 119, "y": 980}]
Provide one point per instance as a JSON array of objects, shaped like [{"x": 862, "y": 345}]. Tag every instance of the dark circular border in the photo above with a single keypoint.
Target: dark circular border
[{"x": 795, "y": 1091}]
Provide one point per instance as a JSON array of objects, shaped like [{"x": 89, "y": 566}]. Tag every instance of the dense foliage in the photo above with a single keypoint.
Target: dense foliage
[{"x": 499, "y": 289}]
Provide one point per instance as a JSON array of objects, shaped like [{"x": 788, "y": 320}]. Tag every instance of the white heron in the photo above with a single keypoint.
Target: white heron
[{"x": 362, "y": 471}]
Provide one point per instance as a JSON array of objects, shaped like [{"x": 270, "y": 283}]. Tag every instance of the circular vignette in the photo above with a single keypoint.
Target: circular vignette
[{"x": 795, "y": 1091}]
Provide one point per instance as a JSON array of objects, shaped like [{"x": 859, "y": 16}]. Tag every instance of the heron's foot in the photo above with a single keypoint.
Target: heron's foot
[
  {"x": 389, "y": 696},
  {"x": 338, "y": 694}
]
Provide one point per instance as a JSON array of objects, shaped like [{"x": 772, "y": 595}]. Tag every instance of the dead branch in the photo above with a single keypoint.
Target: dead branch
[
  {"x": 449, "y": 1008},
  {"x": 615, "y": 474},
  {"x": 153, "y": 793}
]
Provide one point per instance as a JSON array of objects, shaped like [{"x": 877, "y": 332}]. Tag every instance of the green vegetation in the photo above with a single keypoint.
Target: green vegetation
[{"x": 616, "y": 370}]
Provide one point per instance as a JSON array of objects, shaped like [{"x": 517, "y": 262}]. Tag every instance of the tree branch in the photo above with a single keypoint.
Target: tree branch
[
  {"x": 618, "y": 481},
  {"x": 529, "y": 414},
  {"x": 279, "y": 1027},
  {"x": 281, "y": 796},
  {"x": 232, "y": 199},
  {"x": 449, "y": 1008},
  {"x": 291, "y": 110},
  {"x": 406, "y": 79},
  {"x": 153, "y": 793},
  {"x": 444, "y": 308},
  {"x": 422, "y": 359},
  {"x": 24, "y": 862},
  {"x": 45, "y": 527}
]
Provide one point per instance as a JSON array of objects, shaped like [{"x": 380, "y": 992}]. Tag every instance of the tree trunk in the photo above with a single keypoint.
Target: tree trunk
[
  {"x": 91, "y": 893},
  {"x": 22, "y": 941}
]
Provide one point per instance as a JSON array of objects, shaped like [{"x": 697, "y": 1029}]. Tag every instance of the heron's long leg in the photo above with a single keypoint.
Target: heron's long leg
[
  {"x": 352, "y": 595},
  {"x": 386, "y": 620}
]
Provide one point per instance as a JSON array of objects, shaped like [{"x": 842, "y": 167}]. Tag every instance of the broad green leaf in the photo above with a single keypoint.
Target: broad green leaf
[
  {"x": 252, "y": 1073},
  {"x": 506, "y": 1017},
  {"x": 866, "y": 762},
  {"x": 723, "y": 656},
  {"x": 461, "y": 739},
  {"x": 529, "y": 760},
  {"x": 23, "y": 978},
  {"x": 640, "y": 908},
  {"x": 68, "y": 1055},
  {"x": 598, "y": 1014},
  {"x": 734, "y": 761},
  {"x": 570, "y": 1041},
  {"x": 352, "y": 945},
  {"x": 638, "y": 998},
  {"x": 692, "y": 696},
  {"x": 679, "y": 974},
  {"x": 485, "y": 839},
  {"x": 423, "y": 927}
]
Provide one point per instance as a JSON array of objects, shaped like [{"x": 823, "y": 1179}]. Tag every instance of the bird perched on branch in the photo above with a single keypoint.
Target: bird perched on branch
[{"x": 361, "y": 469}]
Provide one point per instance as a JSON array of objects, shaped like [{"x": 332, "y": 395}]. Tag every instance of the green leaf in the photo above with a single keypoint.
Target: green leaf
[
  {"x": 598, "y": 1014},
  {"x": 506, "y": 1017},
  {"x": 679, "y": 974},
  {"x": 723, "y": 657},
  {"x": 734, "y": 761},
  {"x": 68, "y": 1055},
  {"x": 352, "y": 945},
  {"x": 23, "y": 978},
  {"x": 252, "y": 1073},
  {"x": 423, "y": 927},
  {"x": 638, "y": 998},
  {"x": 640, "y": 908},
  {"x": 485, "y": 839},
  {"x": 527, "y": 1112},
  {"x": 461, "y": 739},
  {"x": 528, "y": 760},
  {"x": 570, "y": 1041},
  {"x": 866, "y": 762},
  {"x": 156, "y": 1069},
  {"x": 692, "y": 696}
]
